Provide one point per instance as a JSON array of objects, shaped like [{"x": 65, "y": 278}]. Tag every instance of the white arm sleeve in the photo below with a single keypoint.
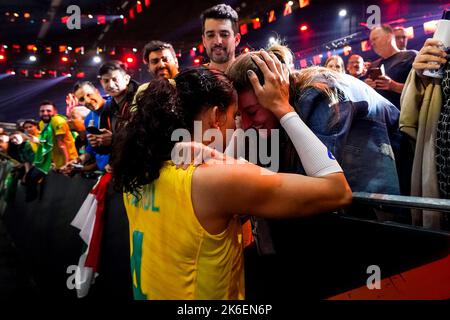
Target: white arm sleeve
[{"x": 317, "y": 160}]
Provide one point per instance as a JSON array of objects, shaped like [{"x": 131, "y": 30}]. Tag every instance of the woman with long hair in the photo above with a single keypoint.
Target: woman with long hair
[
  {"x": 358, "y": 125},
  {"x": 185, "y": 231}
]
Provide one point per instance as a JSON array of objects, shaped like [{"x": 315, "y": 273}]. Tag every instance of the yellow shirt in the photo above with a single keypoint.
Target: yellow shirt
[
  {"x": 172, "y": 255},
  {"x": 60, "y": 127},
  {"x": 34, "y": 145}
]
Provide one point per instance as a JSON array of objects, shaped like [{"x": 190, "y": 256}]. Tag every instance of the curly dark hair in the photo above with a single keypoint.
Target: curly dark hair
[{"x": 140, "y": 150}]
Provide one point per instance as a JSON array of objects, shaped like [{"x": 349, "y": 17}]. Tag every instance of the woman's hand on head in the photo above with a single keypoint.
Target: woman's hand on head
[{"x": 274, "y": 94}]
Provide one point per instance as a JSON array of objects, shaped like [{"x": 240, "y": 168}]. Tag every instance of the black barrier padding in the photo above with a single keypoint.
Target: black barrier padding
[
  {"x": 42, "y": 233},
  {"x": 316, "y": 258},
  {"x": 323, "y": 256}
]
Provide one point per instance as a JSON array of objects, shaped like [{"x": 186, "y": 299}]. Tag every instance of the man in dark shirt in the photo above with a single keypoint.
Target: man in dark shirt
[{"x": 397, "y": 64}]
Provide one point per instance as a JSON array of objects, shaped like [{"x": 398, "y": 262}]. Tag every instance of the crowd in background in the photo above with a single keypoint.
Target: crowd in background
[{"x": 357, "y": 111}]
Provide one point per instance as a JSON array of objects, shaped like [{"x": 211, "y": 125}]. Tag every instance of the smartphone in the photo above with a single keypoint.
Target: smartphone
[
  {"x": 93, "y": 130},
  {"x": 375, "y": 73},
  {"x": 77, "y": 166}
]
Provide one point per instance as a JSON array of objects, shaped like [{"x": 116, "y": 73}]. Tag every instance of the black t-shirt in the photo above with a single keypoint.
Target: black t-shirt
[{"x": 397, "y": 67}]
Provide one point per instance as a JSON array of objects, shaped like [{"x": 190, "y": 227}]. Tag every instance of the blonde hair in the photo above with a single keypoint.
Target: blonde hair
[
  {"x": 283, "y": 52},
  {"x": 338, "y": 59},
  {"x": 320, "y": 78}
]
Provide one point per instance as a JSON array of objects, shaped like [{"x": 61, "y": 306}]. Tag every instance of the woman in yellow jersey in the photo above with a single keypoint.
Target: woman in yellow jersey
[{"x": 185, "y": 232}]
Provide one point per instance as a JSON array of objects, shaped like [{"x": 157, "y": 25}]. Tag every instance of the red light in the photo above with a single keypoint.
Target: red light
[
  {"x": 2, "y": 57},
  {"x": 64, "y": 59},
  {"x": 256, "y": 23},
  {"x": 246, "y": 49},
  {"x": 303, "y": 27},
  {"x": 243, "y": 29},
  {"x": 197, "y": 61},
  {"x": 303, "y": 63},
  {"x": 80, "y": 74},
  {"x": 139, "y": 7},
  {"x": 130, "y": 60},
  {"x": 101, "y": 19}
]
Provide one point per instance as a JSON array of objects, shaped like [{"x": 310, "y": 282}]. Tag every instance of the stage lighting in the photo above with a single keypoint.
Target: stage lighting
[
  {"x": 97, "y": 59},
  {"x": 52, "y": 73},
  {"x": 32, "y": 58},
  {"x": 243, "y": 29},
  {"x": 90, "y": 16},
  {"x": 2, "y": 57},
  {"x": 303, "y": 27},
  {"x": 430, "y": 26},
  {"x": 197, "y": 61},
  {"x": 342, "y": 13},
  {"x": 130, "y": 60},
  {"x": 64, "y": 59}
]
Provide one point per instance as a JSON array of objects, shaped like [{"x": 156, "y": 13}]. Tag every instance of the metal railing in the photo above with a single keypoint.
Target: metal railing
[
  {"x": 378, "y": 199},
  {"x": 384, "y": 201}
]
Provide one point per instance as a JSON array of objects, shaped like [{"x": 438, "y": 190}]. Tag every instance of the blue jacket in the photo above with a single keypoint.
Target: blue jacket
[
  {"x": 101, "y": 159},
  {"x": 361, "y": 131}
]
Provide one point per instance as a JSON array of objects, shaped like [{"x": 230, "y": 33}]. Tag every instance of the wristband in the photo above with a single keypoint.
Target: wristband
[{"x": 316, "y": 159}]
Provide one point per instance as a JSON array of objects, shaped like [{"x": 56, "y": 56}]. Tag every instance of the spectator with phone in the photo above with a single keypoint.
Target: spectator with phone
[
  {"x": 121, "y": 88},
  {"x": 387, "y": 75},
  {"x": 96, "y": 123},
  {"x": 396, "y": 63}
]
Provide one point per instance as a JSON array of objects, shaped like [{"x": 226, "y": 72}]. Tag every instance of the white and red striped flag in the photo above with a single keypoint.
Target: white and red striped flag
[{"x": 89, "y": 220}]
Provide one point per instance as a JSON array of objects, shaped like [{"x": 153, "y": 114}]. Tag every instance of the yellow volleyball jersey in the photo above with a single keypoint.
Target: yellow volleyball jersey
[
  {"x": 172, "y": 255},
  {"x": 61, "y": 128}
]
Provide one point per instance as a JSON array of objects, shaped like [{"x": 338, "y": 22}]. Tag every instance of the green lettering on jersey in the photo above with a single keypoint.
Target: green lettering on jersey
[
  {"x": 136, "y": 264},
  {"x": 154, "y": 208},
  {"x": 147, "y": 201}
]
